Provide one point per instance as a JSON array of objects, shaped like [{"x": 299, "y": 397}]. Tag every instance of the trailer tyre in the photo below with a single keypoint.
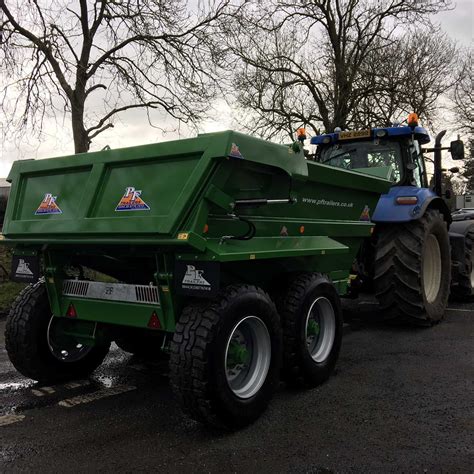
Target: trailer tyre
[
  {"x": 464, "y": 290},
  {"x": 225, "y": 357},
  {"x": 413, "y": 270},
  {"x": 31, "y": 346},
  {"x": 312, "y": 330}
]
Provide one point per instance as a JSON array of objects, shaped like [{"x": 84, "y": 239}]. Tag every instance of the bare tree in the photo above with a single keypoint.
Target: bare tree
[
  {"x": 463, "y": 94},
  {"x": 315, "y": 62},
  {"x": 92, "y": 60}
]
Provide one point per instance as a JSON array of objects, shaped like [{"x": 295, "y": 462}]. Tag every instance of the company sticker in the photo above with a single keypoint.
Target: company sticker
[
  {"x": 197, "y": 278},
  {"x": 235, "y": 152},
  {"x": 25, "y": 268},
  {"x": 48, "y": 206},
  {"x": 365, "y": 216},
  {"x": 132, "y": 201}
]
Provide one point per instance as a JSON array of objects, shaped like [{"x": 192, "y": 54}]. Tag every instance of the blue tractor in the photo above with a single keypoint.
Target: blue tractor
[{"x": 417, "y": 256}]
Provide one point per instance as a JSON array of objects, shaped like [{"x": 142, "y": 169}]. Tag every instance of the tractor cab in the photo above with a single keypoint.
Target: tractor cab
[{"x": 393, "y": 153}]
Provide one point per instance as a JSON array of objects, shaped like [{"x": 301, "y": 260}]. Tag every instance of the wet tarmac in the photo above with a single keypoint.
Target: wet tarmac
[{"x": 402, "y": 399}]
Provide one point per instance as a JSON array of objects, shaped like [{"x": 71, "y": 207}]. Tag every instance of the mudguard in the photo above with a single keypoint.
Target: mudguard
[{"x": 387, "y": 209}]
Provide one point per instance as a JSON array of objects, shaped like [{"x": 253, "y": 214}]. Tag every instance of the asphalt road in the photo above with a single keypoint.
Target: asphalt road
[{"x": 401, "y": 400}]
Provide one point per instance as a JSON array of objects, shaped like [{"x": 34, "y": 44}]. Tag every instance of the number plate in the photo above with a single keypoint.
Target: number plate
[{"x": 354, "y": 134}]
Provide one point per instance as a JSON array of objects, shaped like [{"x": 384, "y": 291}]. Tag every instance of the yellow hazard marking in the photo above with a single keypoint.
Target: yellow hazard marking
[
  {"x": 10, "y": 419},
  {"x": 252, "y": 256},
  {"x": 1, "y": 236},
  {"x": 165, "y": 289},
  {"x": 183, "y": 236},
  {"x": 91, "y": 397},
  {"x": 323, "y": 252}
]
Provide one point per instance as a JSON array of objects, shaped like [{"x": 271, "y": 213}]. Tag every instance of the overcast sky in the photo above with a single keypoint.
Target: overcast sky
[{"x": 132, "y": 128}]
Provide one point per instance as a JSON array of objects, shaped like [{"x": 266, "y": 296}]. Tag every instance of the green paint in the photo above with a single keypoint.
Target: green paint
[{"x": 191, "y": 188}]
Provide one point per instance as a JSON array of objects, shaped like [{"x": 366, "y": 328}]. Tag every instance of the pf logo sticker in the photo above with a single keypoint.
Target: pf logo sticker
[
  {"x": 197, "y": 278},
  {"x": 365, "y": 216},
  {"x": 131, "y": 201},
  {"x": 48, "y": 206}
]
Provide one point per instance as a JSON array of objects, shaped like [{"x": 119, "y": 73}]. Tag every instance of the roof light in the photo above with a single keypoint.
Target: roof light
[
  {"x": 337, "y": 130},
  {"x": 406, "y": 200},
  {"x": 412, "y": 120},
  {"x": 301, "y": 134}
]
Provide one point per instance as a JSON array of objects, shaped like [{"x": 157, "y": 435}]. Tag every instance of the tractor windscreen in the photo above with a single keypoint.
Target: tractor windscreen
[{"x": 364, "y": 156}]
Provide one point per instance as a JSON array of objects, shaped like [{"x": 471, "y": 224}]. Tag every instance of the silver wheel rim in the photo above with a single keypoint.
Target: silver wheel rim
[
  {"x": 431, "y": 268},
  {"x": 247, "y": 356},
  {"x": 472, "y": 268},
  {"x": 320, "y": 329},
  {"x": 66, "y": 350}
]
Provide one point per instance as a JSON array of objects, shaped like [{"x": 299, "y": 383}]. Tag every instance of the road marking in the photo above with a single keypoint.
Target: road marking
[
  {"x": 461, "y": 310},
  {"x": 77, "y": 384},
  {"x": 42, "y": 391},
  {"x": 91, "y": 397},
  {"x": 10, "y": 419}
]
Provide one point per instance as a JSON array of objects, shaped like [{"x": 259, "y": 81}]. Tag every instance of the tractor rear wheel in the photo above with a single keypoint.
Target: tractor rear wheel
[
  {"x": 312, "y": 330},
  {"x": 225, "y": 357},
  {"x": 38, "y": 348},
  {"x": 413, "y": 269}
]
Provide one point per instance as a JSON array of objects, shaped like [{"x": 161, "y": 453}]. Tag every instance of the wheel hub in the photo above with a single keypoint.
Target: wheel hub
[
  {"x": 320, "y": 331},
  {"x": 247, "y": 357},
  {"x": 63, "y": 346},
  {"x": 432, "y": 268}
]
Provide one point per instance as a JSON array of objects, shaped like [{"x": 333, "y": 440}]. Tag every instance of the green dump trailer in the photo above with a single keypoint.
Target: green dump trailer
[{"x": 225, "y": 253}]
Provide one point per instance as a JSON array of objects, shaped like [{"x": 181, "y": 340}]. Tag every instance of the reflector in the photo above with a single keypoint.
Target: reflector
[
  {"x": 154, "y": 322},
  {"x": 71, "y": 311}
]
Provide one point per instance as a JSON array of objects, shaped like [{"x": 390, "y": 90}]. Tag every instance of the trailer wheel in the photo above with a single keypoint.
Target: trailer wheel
[
  {"x": 33, "y": 346},
  {"x": 464, "y": 290},
  {"x": 225, "y": 357},
  {"x": 413, "y": 270},
  {"x": 312, "y": 330}
]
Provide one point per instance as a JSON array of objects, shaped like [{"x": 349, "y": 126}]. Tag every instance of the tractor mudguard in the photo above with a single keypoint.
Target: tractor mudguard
[{"x": 388, "y": 210}]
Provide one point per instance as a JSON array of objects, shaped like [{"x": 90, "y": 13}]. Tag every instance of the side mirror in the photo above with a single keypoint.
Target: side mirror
[{"x": 457, "y": 150}]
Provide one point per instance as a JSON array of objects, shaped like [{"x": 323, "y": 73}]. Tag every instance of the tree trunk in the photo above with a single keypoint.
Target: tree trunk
[{"x": 81, "y": 138}]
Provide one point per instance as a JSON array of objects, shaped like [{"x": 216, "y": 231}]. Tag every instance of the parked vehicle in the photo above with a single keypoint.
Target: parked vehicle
[
  {"x": 227, "y": 253},
  {"x": 417, "y": 256}
]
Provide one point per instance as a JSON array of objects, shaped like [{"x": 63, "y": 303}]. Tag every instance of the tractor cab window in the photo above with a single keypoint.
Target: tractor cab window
[
  {"x": 380, "y": 157},
  {"x": 419, "y": 173}
]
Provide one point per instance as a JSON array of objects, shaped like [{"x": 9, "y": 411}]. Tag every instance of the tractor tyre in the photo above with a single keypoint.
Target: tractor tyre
[
  {"x": 33, "y": 346},
  {"x": 464, "y": 290},
  {"x": 312, "y": 323},
  {"x": 225, "y": 357},
  {"x": 413, "y": 270}
]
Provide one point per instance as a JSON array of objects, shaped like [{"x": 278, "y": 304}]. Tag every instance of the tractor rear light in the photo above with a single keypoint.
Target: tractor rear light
[
  {"x": 407, "y": 200},
  {"x": 154, "y": 322},
  {"x": 71, "y": 311}
]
